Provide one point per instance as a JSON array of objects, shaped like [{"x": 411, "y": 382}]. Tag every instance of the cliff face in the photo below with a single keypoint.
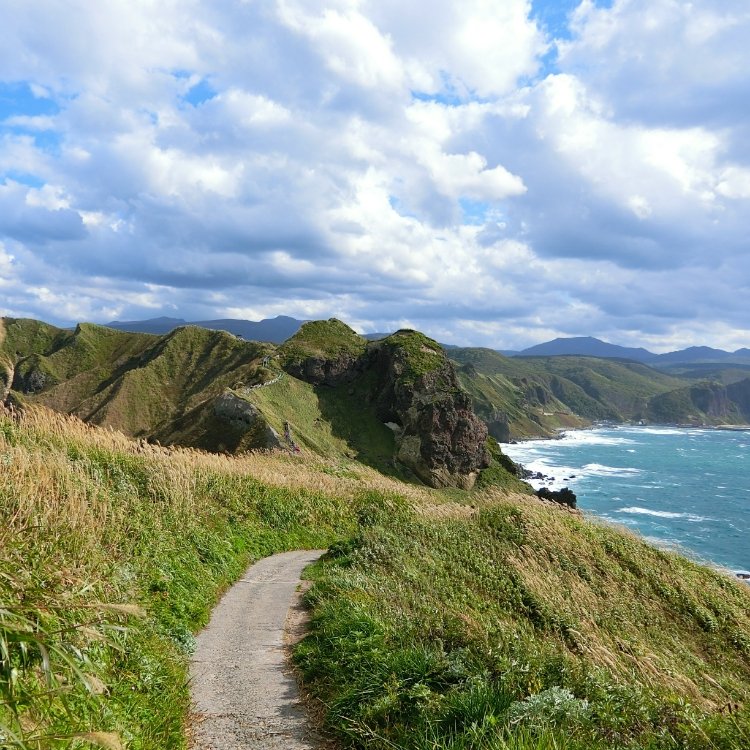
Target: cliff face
[
  {"x": 414, "y": 389},
  {"x": 709, "y": 403},
  {"x": 324, "y": 352},
  {"x": 440, "y": 438}
]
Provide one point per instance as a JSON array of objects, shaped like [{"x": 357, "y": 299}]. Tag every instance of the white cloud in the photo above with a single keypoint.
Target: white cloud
[
  {"x": 353, "y": 48},
  {"x": 307, "y": 179}
]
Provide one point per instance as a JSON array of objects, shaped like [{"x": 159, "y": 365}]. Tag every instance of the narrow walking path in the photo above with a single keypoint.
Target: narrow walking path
[{"x": 244, "y": 695}]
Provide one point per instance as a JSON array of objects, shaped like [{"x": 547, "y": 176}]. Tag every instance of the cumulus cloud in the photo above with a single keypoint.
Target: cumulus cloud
[{"x": 424, "y": 165}]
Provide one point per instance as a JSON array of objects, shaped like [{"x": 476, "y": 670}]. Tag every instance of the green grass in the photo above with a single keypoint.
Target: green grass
[
  {"x": 326, "y": 339},
  {"x": 141, "y": 384},
  {"x": 91, "y": 522},
  {"x": 704, "y": 403},
  {"x": 334, "y": 422},
  {"x": 525, "y": 627},
  {"x": 539, "y": 395},
  {"x": 416, "y": 354}
]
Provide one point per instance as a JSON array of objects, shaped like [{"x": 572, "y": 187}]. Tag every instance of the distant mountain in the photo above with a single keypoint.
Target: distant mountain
[
  {"x": 274, "y": 330},
  {"x": 701, "y": 355},
  {"x": 158, "y": 326},
  {"x": 586, "y": 346}
]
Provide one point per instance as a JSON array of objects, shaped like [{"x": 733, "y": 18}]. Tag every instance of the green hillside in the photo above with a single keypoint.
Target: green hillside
[
  {"x": 394, "y": 404},
  {"x": 706, "y": 402},
  {"x": 441, "y": 619},
  {"x": 532, "y": 396},
  {"x": 138, "y": 383},
  {"x": 523, "y": 627}
]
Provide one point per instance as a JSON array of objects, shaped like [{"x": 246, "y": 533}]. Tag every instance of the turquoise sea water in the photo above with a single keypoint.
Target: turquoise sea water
[{"x": 685, "y": 488}]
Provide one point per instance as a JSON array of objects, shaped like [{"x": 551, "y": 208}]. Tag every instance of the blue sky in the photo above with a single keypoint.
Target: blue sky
[{"x": 492, "y": 173}]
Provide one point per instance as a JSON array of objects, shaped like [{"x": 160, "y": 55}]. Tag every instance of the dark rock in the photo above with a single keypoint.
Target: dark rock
[
  {"x": 6, "y": 380},
  {"x": 242, "y": 415},
  {"x": 412, "y": 384},
  {"x": 442, "y": 441},
  {"x": 321, "y": 371},
  {"x": 235, "y": 410},
  {"x": 33, "y": 381},
  {"x": 498, "y": 425},
  {"x": 565, "y": 496}
]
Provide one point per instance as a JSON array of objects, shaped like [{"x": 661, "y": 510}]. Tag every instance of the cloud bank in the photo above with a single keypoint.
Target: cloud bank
[{"x": 460, "y": 168}]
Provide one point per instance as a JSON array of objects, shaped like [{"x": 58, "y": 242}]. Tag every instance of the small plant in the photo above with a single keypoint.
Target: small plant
[{"x": 554, "y": 707}]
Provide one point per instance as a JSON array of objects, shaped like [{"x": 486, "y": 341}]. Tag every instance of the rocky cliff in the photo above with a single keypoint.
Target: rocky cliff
[
  {"x": 413, "y": 388},
  {"x": 703, "y": 403}
]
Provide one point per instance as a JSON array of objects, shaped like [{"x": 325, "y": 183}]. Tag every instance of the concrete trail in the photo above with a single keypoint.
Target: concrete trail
[{"x": 244, "y": 695}]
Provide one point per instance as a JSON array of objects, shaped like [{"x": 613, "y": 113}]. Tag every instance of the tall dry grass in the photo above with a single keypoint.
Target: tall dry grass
[{"x": 91, "y": 523}]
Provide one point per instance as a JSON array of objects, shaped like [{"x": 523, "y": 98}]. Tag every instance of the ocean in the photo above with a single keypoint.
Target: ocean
[{"x": 685, "y": 489}]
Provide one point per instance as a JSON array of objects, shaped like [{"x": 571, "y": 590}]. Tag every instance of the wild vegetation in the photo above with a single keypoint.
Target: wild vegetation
[
  {"x": 522, "y": 397},
  {"x": 112, "y": 554},
  {"x": 522, "y": 626},
  {"x": 450, "y": 618}
]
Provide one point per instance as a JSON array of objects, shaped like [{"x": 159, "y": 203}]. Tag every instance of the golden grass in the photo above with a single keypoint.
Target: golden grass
[{"x": 44, "y": 486}]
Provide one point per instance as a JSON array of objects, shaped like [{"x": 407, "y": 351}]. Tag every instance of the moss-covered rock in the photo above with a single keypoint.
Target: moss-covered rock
[{"x": 323, "y": 352}]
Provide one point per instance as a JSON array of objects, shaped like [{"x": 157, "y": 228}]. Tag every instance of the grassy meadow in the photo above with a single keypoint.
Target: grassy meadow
[
  {"x": 440, "y": 619},
  {"x": 521, "y": 626},
  {"x": 112, "y": 554}
]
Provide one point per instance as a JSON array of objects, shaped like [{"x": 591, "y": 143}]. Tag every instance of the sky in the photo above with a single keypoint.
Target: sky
[{"x": 491, "y": 172}]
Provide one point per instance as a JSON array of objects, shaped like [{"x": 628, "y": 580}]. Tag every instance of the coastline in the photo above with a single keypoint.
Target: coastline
[
  {"x": 562, "y": 431},
  {"x": 639, "y": 477}
]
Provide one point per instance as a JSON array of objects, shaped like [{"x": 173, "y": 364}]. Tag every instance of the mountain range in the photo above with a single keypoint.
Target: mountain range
[
  {"x": 273, "y": 330},
  {"x": 593, "y": 347},
  {"x": 402, "y": 398},
  {"x": 279, "y": 329}
]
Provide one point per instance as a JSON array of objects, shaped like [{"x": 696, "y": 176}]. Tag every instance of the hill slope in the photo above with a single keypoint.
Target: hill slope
[
  {"x": 531, "y": 396},
  {"x": 494, "y": 623},
  {"x": 524, "y": 627},
  {"x": 704, "y": 403},
  {"x": 326, "y": 388}
]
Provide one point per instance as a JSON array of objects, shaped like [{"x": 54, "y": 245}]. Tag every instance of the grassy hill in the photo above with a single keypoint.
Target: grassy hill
[
  {"x": 521, "y": 626},
  {"x": 441, "y": 618},
  {"x": 537, "y": 395},
  {"x": 706, "y": 402},
  {"x": 212, "y": 390}
]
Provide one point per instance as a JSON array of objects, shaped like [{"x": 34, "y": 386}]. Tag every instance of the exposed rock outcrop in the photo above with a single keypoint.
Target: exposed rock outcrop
[
  {"x": 413, "y": 387},
  {"x": 320, "y": 371},
  {"x": 565, "y": 496},
  {"x": 31, "y": 377},
  {"x": 244, "y": 416},
  {"x": 6, "y": 380},
  {"x": 324, "y": 352},
  {"x": 441, "y": 440},
  {"x": 498, "y": 425}
]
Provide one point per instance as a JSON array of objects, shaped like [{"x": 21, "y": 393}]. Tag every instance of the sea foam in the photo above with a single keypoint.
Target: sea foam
[{"x": 662, "y": 513}]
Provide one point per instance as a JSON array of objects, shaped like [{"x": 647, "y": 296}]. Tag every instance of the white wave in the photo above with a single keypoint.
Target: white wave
[
  {"x": 662, "y": 514},
  {"x": 598, "y": 470},
  {"x": 660, "y": 431},
  {"x": 593, "y": 437}
]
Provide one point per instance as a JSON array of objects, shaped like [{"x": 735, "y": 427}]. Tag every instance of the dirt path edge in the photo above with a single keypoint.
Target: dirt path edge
[{"x": 243, "y": 689}]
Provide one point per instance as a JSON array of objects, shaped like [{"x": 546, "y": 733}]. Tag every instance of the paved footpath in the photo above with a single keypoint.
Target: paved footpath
[{"x": 244, "y": 695}]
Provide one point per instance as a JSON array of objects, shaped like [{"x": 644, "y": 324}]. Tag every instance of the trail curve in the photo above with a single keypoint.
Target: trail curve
[{"x": 244, "y": 695}]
